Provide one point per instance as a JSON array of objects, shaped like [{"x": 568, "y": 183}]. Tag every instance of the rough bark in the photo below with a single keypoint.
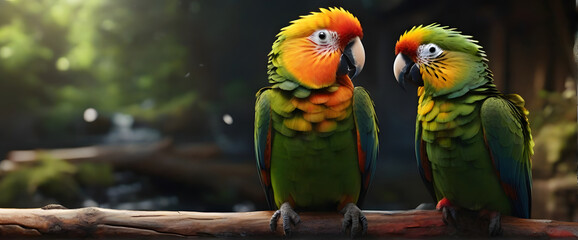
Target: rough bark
[{"x": 107, "y": 223}]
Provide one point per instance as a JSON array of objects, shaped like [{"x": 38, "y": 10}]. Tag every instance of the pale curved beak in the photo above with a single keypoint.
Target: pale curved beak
[
  {"x": 352, "y": 59},
  {"x": 404, "y": 69}
]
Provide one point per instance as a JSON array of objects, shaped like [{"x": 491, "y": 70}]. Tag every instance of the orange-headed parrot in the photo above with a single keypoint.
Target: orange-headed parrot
[{"x": 315, "y": 133}]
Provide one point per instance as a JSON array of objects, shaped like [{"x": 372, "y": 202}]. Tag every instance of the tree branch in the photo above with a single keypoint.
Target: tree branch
[{"x": 102, "y": 223}]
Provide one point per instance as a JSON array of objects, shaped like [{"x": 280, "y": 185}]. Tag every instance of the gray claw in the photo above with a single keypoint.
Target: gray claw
[
  {"x": 495, "y": 226},
  {"x": 353, "y": 219},
  {"x": 273, "y": 221},
  {"x": 449, "y": 216},
  {"x": 288, "y": 216}
]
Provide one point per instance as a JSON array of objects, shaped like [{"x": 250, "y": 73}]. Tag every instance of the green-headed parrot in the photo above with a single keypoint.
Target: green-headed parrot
[
  {"x": 315, "y": 133},
  {"x": 473, "y": 143}
]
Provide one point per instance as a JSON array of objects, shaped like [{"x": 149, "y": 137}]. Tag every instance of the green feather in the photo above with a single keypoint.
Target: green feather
[
  {"x": 280, "y": 104},
  {"x": 288, "y": 85},
  {"x": 301, "y": 92}
]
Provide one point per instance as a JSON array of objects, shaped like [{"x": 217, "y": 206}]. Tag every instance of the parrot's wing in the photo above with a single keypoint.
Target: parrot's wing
[
  {"x": 367, "y": 141},
  {"x": 508, "y": 138},
  {"x": 263, "y": 140},
  {"x": 423, "y": 163}
]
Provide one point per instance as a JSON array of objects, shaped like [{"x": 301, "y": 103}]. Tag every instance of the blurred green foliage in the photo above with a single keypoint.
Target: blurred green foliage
[
  {"x": 95, "y": 174},
  {"x": 24, "y": 182},
  {"x": 555, "y": 130},
  {"x": 59, "y": 57},
  {"x": 52, "y": 178}
]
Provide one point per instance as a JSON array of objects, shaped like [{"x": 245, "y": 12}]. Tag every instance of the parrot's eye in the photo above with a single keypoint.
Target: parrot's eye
[
  {"x": 429, "y": 51},
  {"x": 324, "y": 37}
]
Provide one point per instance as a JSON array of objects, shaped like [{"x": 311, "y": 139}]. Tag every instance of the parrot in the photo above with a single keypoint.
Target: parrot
[
  {"x": 473, "y": 144},
  {"x": 316, "y": 135}
]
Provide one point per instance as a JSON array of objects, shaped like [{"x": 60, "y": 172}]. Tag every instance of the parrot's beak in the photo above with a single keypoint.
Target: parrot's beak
[
  {"x": 405, "y": 69},
  {"x": 352, "y": 59}
]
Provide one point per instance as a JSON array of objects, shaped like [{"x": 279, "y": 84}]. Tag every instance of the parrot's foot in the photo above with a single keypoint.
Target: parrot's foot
[
  {"x": 449, "y": 212},
  {"x": 288, "y": 216},
  {"x": 469, "y": 221},
  {"x": 353, "y": 220},
  {"x": 495, "y": 219}
]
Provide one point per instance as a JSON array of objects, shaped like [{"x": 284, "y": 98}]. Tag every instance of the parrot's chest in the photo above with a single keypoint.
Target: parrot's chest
[
  {"x": 320, "y": 113},
  {"x": 451, "y": 132},
  {"x": 460, "y": 162},
  {"x": 314, "y": 161},
  {"x": 315, "y": 173}
]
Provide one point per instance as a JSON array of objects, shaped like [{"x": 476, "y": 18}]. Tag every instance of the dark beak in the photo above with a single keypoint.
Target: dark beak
[
  {"x": 405, "y": 69},
  {"x": 352, "y": 59}
]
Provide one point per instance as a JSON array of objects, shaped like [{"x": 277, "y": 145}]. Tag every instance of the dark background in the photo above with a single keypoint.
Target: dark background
[{"x": 172, "y": 74}]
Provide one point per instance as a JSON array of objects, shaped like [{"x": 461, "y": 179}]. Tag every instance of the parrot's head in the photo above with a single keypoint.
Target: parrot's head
[
  {"x": 440, "y": 59},
  {"x": 316, "y": 49}
]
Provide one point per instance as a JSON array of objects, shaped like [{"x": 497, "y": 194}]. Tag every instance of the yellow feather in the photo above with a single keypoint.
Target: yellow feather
[
  {"x": 326, "y": 126},
  {"x": 422, "y": 109},
  {"x": 314, "y": 117},
  {"x": 298, "y": 124}
]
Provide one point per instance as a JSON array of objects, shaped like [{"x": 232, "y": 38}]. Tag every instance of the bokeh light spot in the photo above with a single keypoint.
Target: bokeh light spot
[
  {"x": 228, "y": 119},
  {"x": 90, "y": 114}
]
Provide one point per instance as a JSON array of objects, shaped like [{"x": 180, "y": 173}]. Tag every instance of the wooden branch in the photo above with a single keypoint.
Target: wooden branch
[{"x": 103, "y": 223}]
